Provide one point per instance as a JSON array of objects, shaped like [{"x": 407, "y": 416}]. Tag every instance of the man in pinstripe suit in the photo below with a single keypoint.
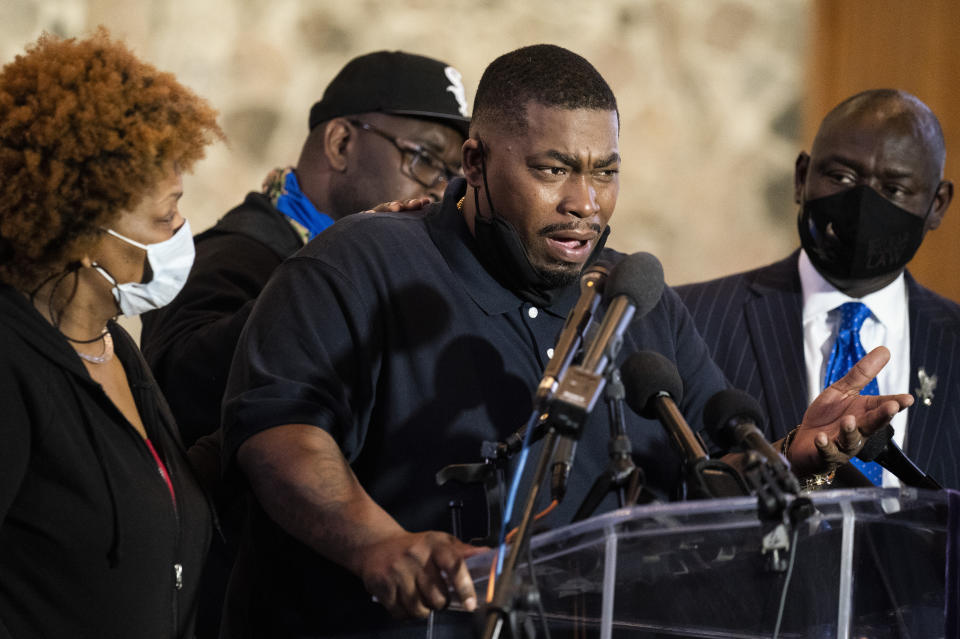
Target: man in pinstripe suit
[{"x": 868, "y": 191}]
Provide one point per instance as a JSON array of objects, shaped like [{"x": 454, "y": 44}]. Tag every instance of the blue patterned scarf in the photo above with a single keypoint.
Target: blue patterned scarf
[{"x": 282, "y": 188}]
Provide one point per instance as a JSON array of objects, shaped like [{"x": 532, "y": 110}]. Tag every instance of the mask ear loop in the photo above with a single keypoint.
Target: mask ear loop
[
  {"x": 102, "y": 270},
  {"x": 493, "y": 212},
  {"x": 933, "y": 201},
  {"x": 486, "y": 185},
  {"x": 126, "y": 239}
]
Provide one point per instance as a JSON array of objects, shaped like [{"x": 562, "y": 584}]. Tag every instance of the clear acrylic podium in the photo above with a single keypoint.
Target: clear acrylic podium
[{"x": 869, "y": 563}]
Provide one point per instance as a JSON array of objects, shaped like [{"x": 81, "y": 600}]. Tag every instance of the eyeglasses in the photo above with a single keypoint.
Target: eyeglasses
[{"x": 418, "y": 163}]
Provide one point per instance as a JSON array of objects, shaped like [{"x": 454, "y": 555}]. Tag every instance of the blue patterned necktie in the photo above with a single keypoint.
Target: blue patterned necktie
[{"x": 847, "y": 351}]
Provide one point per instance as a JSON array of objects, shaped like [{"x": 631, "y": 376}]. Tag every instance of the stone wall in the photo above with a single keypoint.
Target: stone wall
[{"x": 709, "y": 93}]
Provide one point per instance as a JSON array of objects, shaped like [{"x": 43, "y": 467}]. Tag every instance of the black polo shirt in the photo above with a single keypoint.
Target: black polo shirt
[{"x": 388, "y": 333}]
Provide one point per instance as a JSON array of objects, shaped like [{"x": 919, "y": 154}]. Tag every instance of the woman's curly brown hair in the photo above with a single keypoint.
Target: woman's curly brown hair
[{"x": 86, "y": 130}]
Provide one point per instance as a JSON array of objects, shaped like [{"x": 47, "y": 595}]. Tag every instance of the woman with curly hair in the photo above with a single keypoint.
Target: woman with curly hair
[{"x": 103, "y": 524}]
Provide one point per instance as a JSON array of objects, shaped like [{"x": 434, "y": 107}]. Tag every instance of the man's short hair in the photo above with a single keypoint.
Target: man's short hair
[{"x": 542, "y": 73}]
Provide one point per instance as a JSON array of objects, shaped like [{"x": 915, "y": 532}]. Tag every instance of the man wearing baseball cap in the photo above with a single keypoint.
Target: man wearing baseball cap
[{"x": 389, "y": 127}]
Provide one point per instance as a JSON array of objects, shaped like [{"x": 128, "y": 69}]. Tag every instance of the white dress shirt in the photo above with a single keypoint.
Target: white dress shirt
[{"x": 887, "y": 325}]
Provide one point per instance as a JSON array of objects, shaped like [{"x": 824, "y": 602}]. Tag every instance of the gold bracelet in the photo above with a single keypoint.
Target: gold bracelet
[
  {"x": 789, "y": 440},
  {"x": 817, "y": 481}
]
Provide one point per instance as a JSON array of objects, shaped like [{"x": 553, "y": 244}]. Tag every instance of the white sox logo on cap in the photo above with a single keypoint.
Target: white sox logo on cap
[{"x": 456, "y": 88}]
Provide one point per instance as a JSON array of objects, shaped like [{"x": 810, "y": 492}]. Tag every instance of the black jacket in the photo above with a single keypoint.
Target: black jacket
[
  {"x": 90, "y": 541},
  {"x": 190, "y": 342}
]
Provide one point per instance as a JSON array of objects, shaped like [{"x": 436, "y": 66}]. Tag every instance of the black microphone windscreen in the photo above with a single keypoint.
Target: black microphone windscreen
[
  {"x": 875, "y": 443},
  {"x": 723, "y": 408},
  {"x": 640, "y": 278},
  {"x": 646, "y": 374}
]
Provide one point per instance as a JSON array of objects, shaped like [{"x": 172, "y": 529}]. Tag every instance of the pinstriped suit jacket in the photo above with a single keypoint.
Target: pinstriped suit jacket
[{"x": 751, "y": 322}]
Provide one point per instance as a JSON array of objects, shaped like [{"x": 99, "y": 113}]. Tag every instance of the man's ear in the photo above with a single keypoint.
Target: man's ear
[
  {"x": 940, "y": 203},
  {"x": 472, "y": 159},
  {"x": 800, "y": 169},
  {"x": 337, "y": 138}
]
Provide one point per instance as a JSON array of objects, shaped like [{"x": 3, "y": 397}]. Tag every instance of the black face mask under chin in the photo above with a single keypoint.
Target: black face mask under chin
[
  {"x": 503, "y": 254},
  {"x": 871, "y": 236}
]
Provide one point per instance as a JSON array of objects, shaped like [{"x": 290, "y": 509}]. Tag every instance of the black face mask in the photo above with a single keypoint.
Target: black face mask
[
  {"x": 874, "y": 237},
  {"x": 503, "y": 254}
]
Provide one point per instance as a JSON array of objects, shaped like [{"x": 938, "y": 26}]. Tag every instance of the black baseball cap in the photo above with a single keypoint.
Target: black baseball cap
[{"x": 398, "y": 83}]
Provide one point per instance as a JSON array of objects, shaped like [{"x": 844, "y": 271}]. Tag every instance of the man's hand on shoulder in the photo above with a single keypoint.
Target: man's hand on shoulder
[
  {"x": 396, "y": 206},
  {"x": 411, "y": 574},
  {"x": 840, "y": 419}
]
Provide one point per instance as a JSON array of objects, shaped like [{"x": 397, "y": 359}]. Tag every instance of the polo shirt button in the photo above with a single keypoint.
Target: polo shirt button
[
  {"x": 550, "y": 353},
  {"x": 533, "y": 312}
]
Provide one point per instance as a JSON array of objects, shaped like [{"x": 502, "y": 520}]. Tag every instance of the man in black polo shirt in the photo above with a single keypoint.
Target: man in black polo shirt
[{"x": 394, "y": 345}]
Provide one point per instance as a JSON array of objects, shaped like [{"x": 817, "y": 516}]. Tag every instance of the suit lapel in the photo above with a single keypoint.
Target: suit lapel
[
  {"x": 934, "y": 351},
  {"x": 774, "y": 321}
]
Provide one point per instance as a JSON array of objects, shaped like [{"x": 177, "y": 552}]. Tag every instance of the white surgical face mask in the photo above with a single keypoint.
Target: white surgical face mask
[{"x": 170, "y": 262}]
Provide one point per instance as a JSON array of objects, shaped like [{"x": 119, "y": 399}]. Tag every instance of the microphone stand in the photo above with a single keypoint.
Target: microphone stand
[
  {"x": 510, "y": 602},
  {"x": 490, "y": 472},
  {"x": 703, "y": 477},
  {"x": 772, "y": 484},
  {"x": 622, "y": 474},
  {"x": 566, "y": 415}
]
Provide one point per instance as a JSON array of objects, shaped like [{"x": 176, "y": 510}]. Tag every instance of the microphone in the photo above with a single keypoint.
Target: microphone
[
  {"x": 653, "y": 387},
  {"x": 568, "y": 343},
  {"x": 881, "y": 448},
  {"x": 731, "y": 417},
  {"x": 574, "y": 328},
  {"x": 634, "y": 287}
]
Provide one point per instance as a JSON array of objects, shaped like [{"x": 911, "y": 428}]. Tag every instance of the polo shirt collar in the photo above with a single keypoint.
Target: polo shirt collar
[{"x": 453, "y": 239}]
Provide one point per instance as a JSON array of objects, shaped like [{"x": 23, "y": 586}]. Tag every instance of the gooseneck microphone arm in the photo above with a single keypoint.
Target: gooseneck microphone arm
[
  {"x": 671, "y": 417},
  {"x": 881, "y": 448}
]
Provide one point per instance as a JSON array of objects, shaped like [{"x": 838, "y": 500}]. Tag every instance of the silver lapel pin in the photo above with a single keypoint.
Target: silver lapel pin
[{"x": 928, "y": 383}]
